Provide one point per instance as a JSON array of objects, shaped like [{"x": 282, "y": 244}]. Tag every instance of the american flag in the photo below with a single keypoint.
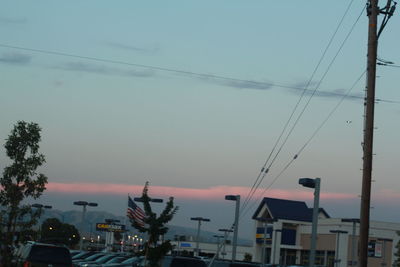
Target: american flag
[{"x": 135, "y": 212}]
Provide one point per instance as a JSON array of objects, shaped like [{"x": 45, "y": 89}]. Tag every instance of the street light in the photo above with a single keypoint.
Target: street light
[
  {"x": 199, "y": 220},
  {"x": 218, "y": 243},
  {"x": 353, "y": 239},
  {"x": 313, "y": 183},
  {"x": 275, "y": 240},
  {"x": 157, "y": 200},
  {"x": 338, "y": 232},
  {"x": 84, "y": 204},
  {"x": 225, "y": 231},
  {"x": 235, "y": 233},
  {"x": 264, "y": 243}
]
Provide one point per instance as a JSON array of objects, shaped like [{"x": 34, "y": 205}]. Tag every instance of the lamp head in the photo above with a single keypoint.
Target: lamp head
[
  {"x": 80, "y": 203},
  {"x": 307, "y": 182}
]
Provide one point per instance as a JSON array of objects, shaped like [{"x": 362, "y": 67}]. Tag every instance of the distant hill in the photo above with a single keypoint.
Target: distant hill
[{"x": 92, "y": 217}]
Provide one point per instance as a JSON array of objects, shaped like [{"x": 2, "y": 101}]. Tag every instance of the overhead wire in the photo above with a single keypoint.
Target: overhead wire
[
  {"x": 170, "y": 70},
  {"x": 263, "y": 173},
  {"x": 152, "y": 67},
  {"x": 265, "y": 169},
  {"x": 312, "y": 136}
]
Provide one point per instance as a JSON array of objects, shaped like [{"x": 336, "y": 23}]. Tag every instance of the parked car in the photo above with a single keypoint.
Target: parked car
[
  {"x": 104, "y": 259},
  {"x": 93, "y": 257},
  {"x": 39, "y": 255},
  {"x": 228, "y": 263},
  {"x": 126, "y": 263},
  {"x": 178, "y": 261},
  {"x": 116, "y": 260},
  {"x": 83, "y": 255}
]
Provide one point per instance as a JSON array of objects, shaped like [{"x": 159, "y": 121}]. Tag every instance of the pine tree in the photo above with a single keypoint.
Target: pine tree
[{"x": 155, "y": 227}]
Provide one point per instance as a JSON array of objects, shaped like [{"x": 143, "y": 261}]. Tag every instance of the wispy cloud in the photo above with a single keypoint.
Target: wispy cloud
[
  {"x": 148, "y": 50},
  {"x": 239, "y": 84},
  {"x": 211, "y": 193},
  {"x": 101, "y": 69},
  {"x": 15, "y": 58},
  {"x": 5, "y": 20},
  {"x": 298, "y": 88}
]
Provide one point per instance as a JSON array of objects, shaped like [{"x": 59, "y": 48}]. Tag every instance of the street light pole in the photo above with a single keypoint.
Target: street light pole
[
  {"x": 313, "y": 183},
  {"x": 226, "y": 231},
  {"x": 338, "y": 232},
  {"x": 236, "y": 229},
  {"x": 276, "y": 231},
  {"x": 218, "y": 243},
  {"x": 199, "y": 220},
  {"x": 84, "y": 204},
  {"x": 264, "y": 242},
  {"x": 353, "y": 240}
]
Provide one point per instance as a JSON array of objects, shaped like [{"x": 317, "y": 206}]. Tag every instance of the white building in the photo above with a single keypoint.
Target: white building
[
  {"x": 288, "y": 233},
  {"x": 210, "y": 249}
]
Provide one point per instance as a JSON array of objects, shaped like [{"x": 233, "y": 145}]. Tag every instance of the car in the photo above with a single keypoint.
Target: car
[
  {"x": 126, "y": 263},
  {"x": 104, "y": 259},
  {"x": 83, "y": 255},
  {"x": 179, "y": 261},
  {"x": 91, "y": 258},
  {"x": 116, "y": 260},
  {"x": 42, "y": 254},
  {"x": 228, "y": 263}
]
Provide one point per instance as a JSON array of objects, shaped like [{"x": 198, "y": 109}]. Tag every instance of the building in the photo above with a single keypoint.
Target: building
[
  {"x": 210, "y": 249},
  {"x": 287, "y": 228}
]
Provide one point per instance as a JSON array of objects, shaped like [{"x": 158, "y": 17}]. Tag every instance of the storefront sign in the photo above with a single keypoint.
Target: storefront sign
[{"x": 106, "y": 227}]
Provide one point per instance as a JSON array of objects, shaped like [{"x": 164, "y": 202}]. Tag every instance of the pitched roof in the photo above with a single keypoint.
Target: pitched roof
[{"x": 286, "y": 209}]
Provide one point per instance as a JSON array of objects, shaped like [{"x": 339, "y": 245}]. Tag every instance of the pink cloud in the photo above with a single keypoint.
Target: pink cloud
[{"x": 211, "y": 193}]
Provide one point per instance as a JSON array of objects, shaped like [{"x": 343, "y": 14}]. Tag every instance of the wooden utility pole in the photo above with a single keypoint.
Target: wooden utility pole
[{"x": 369, "y": 103}]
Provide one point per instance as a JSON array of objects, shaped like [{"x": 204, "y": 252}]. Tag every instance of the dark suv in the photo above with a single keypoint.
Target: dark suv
[{"x": 43, "y": 255}]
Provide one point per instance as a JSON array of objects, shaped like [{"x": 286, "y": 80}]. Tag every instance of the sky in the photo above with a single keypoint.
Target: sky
[{"x": 192, "y": 96}]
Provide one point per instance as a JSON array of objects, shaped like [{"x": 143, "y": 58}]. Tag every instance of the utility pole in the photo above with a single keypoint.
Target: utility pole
[
  {"x": 199, "y": 220},
  {"x": 369, "y": 104}
]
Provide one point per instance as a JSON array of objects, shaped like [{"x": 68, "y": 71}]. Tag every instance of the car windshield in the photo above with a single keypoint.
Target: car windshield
[
  {"x": 94, "y": 257},
  {"x": 81, "y": 255},
  {"x": 104, "y": 258}
]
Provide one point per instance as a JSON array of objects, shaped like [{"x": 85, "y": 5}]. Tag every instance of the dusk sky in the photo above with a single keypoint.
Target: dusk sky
[{"x": 193, "y": 95}]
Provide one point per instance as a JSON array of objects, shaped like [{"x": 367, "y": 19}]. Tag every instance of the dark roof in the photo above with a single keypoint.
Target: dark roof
[
  {"x": 286, "y": 209},
  {"x": 321, "y": 210}
]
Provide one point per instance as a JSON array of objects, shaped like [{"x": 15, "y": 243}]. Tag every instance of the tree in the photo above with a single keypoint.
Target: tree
[
  {"x": 19, "y": 181},
  {"x": 155, "y": 227},
  {"x": 54, "y": 231},
  {"x": 247, "y": 257},
  {"x": 396, "y": 263}
]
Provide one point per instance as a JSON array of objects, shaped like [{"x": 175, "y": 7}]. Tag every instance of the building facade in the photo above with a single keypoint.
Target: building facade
[{"x": 283, "y": 236}]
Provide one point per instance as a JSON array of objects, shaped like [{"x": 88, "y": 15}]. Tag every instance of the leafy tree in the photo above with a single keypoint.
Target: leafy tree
[
  {"x": 247, "y": 257},
  {"x": 155, "y": 227},
  {"x": 54, "y": 231},
  {"x": 19, "y": 181},
  {"x": 396, "y": 263}
]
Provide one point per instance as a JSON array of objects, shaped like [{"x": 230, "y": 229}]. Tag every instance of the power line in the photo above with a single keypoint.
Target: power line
[
  {"x": 170, "y": 70},
  {"x": 265, "y": 169},
  {"x": 262, "y": 174},
  {"x": 312, "y": 136}
]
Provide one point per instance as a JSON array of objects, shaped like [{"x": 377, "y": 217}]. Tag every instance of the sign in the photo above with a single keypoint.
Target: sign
[
  {"x": 262, "y": 237},
  {"x": 106, "y": 227},
  {"x": 374, "y": 249},
  {"x": 186, "y": 245},
  {"x": 378, "y": 249}
]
